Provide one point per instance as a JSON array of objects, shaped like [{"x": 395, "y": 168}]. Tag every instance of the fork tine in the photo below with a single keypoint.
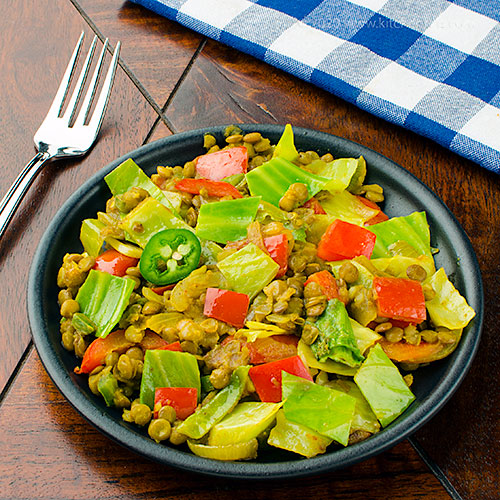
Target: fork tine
[
  {"x": 89, "y": 96},
  {"x": 75, "y": 98},
  {"x": 57, "y": 103},
  {"x": 102, "y": 102}
]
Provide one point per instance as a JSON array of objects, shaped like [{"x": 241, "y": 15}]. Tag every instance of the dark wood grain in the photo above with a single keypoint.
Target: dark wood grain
[
  {"x": 32, "y": 67},
  {"x": 224, "y": 86},
  {"x": 156, "y": 50},
  {"x": 49, "y": 449}
]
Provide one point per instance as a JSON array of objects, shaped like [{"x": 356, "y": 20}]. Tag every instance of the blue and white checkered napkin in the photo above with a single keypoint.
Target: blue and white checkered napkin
[{"x": 432, "y": 66}]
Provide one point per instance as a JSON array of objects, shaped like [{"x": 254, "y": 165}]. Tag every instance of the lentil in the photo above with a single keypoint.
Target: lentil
[{"x": 416, "y": 272}]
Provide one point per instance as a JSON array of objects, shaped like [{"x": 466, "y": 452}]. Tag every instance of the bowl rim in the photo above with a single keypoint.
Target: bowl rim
[{"x": 339, "y": 458}]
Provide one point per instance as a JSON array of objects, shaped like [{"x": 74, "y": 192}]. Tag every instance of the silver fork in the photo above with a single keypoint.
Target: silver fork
[{"x": 69, "y": 134}]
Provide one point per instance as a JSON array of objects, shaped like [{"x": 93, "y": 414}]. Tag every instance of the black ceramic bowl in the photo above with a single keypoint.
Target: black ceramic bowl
[{"x": 404, "y": 193}]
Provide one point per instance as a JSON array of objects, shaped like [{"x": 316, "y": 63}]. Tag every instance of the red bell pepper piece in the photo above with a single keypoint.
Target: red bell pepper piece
[
  {"x": 343, "y": 240},
  {"x": 274, "y": 348},
  {"x": 399, "y": 298},
  {"x": 96, "y": 352},
  {"x": 161, "y": 289},
  {"x": 213, "y": 188},
  {"x": 267, "y": 377},
  {"x": 226, "y": 305},
  {"x": 182, "y": 399},
  {"x": 315, "y": 205},
  {"x": 380, "y": 217},
  {"x": 154, "y": 345},
  {"x": 224, "y": 163},
  {"x": 327, "y": 282},
  {"x": 116, "y": 342},
  {"x": 114, "y": 262},
  {"x": 404, "y": 352},
  {"x": 277, "y": 247}
]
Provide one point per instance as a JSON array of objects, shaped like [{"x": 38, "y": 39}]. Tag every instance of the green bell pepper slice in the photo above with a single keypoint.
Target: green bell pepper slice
[
  {"x": 82, "y": 324},
  {"x": 234, "y": 179},
  {"x": 107, "y": 386},
  {"x": 383, "y": 386},
  {"x": 412, "y": 228},
  {"x": 272, "y": 179},
  {"x": 170, "y": 256},
  {"x": 128, "y": 175},
  {"x": 103, "y": 298},
  {"x": 164, "y": 368},
  {"x": 203, "y": 419},
  {"x": 326, "y": 411},
  {"x": 90, "y": 236},
  {"x": 336, "y": 339},
  {"x": 248, "y": 270},
  {"x": 224, "y": 221}
]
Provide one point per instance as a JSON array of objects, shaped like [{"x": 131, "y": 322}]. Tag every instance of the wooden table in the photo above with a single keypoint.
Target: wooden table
[{"x": 170, "y": 80}]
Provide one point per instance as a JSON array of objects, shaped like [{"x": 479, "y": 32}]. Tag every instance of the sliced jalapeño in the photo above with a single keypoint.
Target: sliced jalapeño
[{"x": 169, "y": 256}]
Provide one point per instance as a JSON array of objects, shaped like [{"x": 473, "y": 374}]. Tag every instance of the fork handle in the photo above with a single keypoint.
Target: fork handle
[{"x": 16, "y": 192}]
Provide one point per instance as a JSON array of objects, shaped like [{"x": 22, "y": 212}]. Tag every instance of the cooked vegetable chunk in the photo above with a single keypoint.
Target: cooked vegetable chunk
[
  {"x": 327, "y": 411},
  {"x": 383, "y": 386}
]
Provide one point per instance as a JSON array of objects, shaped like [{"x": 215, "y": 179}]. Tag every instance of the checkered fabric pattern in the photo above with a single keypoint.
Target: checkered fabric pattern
[{"x": 432, "y": 66}]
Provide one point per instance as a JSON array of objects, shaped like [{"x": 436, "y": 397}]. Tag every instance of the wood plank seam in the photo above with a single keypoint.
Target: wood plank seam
[
  {"x": 435, "y": 469},
  {"x": 16, "y": 371},
  {"x": 151, "y": 101},
  {"x": 178, "y": 84}
]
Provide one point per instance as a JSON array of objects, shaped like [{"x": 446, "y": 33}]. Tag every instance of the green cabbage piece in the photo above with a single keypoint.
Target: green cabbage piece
[
  {"x": 365, "y": 337},
  {"x": 345, "y": 206},
  {"x": 272, "y": 180},
  {"x": 383, "y": 386},
  {"x": 412, "y": 228},
  {"x": 247, "y": 421},
  {"x": 90, "y": 236},
  {"x": 397, "y": 265},
  {"x": 286, "y": 147},
  {"x": 164, "y": 368},
  {"x": 128, "y": 175},
  {"x": 326, "y": 411},
  {"x": 298, "y": 438},
  {"x": 151, "y": 217},
  {"x": 248, "y": 270},
  {"x": 448, "y": 308},
  {"x": 103, "y": 298},
  {"x": 227, "y": 220},
  {"x": 342, "y": 172},
  {"x": 364, "y": 419},
  {"x": 336, "y": 339},
  {"x": 307, "y": 355}
]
